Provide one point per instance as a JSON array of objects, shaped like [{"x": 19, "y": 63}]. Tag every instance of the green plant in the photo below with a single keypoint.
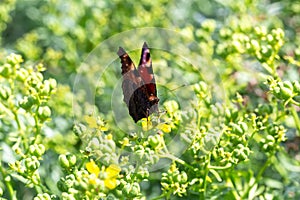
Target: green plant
[
  {"x": 224, "y": 133},
  {"x": 24, "y": 111}
]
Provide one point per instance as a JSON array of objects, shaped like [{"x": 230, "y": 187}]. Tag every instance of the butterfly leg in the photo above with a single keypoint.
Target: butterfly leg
[{"x": 147, "y": 114}]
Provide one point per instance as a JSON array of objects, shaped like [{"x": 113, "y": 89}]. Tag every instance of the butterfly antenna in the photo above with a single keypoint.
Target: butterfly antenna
[{"x": 183, "y": 85}]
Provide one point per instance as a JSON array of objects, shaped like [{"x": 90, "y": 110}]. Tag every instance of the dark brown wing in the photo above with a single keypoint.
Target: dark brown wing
[
  {"x": 131, "y": 78},
  {"x": 140, "y": 98},
  {"x": 146, "y": 72}
]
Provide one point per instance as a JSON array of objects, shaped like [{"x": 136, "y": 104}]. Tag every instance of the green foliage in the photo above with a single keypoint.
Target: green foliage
[
  {"x": 229, "y": 101},
  {"x": 24, "y": 110},
  {"x": 6, "y": 7}
]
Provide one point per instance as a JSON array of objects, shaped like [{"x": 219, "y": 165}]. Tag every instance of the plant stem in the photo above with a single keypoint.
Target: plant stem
[
  {"x": 8, "y": 184},
  {"x": 159, "y": 197},
  {"x": 174, "y": 158},
  {"x": 37, "y": 125},
  {"x": 228, "y": 165},
  {"x": 206, "y": 171},
  {"x": 259, "y": 175},
  {"x": 296, "y": 119},
  {"x": 17, "y": 120},
  {"x": 230, "y": 184},
  {"x": 198, "y": 119}
]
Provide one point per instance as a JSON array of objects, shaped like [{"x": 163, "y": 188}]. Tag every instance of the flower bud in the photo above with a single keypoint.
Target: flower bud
[
  {"x": 127, "y": 189},
  {"x": 5, "y": 92},
  {"x": 153, "y": 140},
  {"x": 288, "y": 85},
  {"x": 79, "y": 129},
  {"x": 37, "y": 150},
  {"x": 296, "y": 86},
  {"x": 6, "y": 70},
  {"x": 27, "y": 102},
  {"x": 254, "y": 45},
  {"x": 111, "y": 144},
  {"x": 32, "y": 163},
  {"x": 183, "y": 177},
  {"x": 142, "y": 173},
  {"x": 266, "y": 51},
  {"x": 40, "y": 67},
  {"x": 52, "y": 84},
  {"x": 260, "y": 30},
  {"x": 209, "y": 25},
  {"x": 35, "y": 178},
  {"x": 43, "y": 196},
  {"x": 45, "y": 88},
  {"x": 61, "y": 185},
  {"x": 135, "y": 190},
  {"x": 286, "y": 90},
  {"x": 14, "y": 59},
  {"x": 270, "y": 38},
  {"x": 171, "y": 106},
  {"x": 72, "y": 159},
  {"x": 63, "y": 161},
  {"x": 22, "y": 74},
  {"x": 44, "y": 112},
  {"x": 236, "y": 129}
]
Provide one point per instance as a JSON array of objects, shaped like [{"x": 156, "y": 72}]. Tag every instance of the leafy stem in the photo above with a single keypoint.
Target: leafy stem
[
  {"x": 234, "y": 191},
  {"x": 296, "y": 119},
  {"x": 206, "y": 171},
  {"x": 37, "y": 125},
  {"x": 259, "y": 175},
  {"x": 7, "y": 183},
  {"x": 174, "y": 158}
]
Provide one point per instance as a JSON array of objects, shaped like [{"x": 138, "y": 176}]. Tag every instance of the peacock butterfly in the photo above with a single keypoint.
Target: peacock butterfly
[{"x": 139, "y": 88}]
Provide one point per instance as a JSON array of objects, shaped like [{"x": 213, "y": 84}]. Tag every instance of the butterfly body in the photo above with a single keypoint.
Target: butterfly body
[{"x": 139, "y": 88}]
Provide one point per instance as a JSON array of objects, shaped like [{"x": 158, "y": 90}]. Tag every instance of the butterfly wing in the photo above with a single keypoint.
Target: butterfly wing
[
  {"x": 138, "y": 85},
  {"x": 131, "y": 78},
  {"x": 134, "y": 89},
  {"x": 146, "y": 72}
]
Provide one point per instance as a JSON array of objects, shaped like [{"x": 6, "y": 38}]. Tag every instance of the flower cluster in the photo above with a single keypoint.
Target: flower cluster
[
  {"x": 175, "y": 181},
  {"x": 24, "y": 95},
  {"x": 90, "y": 181}
]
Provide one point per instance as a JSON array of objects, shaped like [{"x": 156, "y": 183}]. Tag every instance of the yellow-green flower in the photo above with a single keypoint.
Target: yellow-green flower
[
  {"x": 97, "y": 123},
  {"x": 112, "y": 173},
  {"x": 92, "y": 168},
  {"x": 109, "y": 137},
  {"x": 146, "y": 124},
  {"x": 165, "y": 128},
  {"x": 173, "y": 168},
  {"x": 125, "y": 142}
]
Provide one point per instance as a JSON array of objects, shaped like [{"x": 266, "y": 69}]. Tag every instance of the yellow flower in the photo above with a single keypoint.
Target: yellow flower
[
  {"x": 173, "y": 168},
  {"x": 164, "y": 127},
  {"x": 91, "y": 121},
  {"x": 125, "y": 142},
  {"x": 92, "y": 168},
  {"x": 93, "y": 179},
  {"x": 112, "y": 172},
  {"x": 97, "y": 123},
  {"x": 146, "y": 124},
  {"x": 109, "y": 137}
]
